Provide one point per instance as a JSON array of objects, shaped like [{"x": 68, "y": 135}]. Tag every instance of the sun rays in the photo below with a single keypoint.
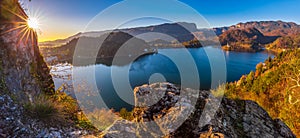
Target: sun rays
[
  {"x": 33, "y": 23},
  {"x": 25, "y": 27}
]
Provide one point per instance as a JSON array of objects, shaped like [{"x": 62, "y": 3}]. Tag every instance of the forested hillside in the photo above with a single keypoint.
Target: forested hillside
[
  {"x": 285, "y": 43},
  {"x": 275, "y": 85}
]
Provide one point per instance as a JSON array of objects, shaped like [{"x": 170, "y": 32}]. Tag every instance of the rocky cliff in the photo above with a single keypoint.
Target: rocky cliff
[
  {"x": 233, "y": 118},
  {"x": 23, "y": 71},
  {"x": 23, "y": 77}
]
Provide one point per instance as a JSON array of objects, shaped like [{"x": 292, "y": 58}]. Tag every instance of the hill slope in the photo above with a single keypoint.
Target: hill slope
[
  {"x": 275, "y": 85},
  {"x": 285, "y": 43},
  {"x": 247, "y": 39},
  {"x": 87, "y": 46}
]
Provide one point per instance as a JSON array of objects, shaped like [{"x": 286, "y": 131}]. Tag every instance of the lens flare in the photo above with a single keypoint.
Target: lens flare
[
  {"x": 25, "y": 26},
  {"x": 33, "y": 23}
]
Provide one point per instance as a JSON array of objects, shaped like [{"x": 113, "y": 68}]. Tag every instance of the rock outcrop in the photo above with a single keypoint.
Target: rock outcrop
[
  {"x": 23, "y": 71},
  {"x": 23, "y": 76},
  {"x": 173, "y": 110},
  {"x": 13, "y": 123}
]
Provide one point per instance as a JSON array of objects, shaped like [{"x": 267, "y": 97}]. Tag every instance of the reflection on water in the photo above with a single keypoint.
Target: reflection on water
[{"x": 140, "y": 71}]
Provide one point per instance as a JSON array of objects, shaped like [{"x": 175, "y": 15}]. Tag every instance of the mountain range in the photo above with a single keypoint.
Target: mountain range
[
  {"x": 249, "y": 36},
  {"x": 268, "y": 28},
  {"x": 89, "y": 47},
  {"x": 180, "y": 31},
  {"x": 183, "y": 31}
]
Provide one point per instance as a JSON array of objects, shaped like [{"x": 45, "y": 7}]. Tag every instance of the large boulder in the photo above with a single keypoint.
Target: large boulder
[{"x": 160, "y": 107}]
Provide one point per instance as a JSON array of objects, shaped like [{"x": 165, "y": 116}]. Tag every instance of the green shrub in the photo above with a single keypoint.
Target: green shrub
[
  {"x": 219, "y": 92},
  {"x": 102, "y": 118},
  {"x": 126, "y": 114},
  {"x": 83, "y": 122},
  {"x": 69, "y": 104},
  {"x": 44, "y": 108}
]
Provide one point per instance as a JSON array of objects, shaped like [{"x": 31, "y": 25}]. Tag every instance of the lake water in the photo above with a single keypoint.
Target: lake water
[{"x": 141, "y": 70}]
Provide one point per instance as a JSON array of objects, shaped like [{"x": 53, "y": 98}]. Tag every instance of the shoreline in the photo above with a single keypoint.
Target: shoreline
[{"x": 108, "y": 60}]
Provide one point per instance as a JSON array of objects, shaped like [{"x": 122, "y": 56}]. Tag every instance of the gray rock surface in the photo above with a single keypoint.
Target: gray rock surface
[
  {"x": 22, "y": 68},
  {"x": 14, "y": 123},
  {"x": 23, "y": 76},
  {"x": 159, "y": 104}
]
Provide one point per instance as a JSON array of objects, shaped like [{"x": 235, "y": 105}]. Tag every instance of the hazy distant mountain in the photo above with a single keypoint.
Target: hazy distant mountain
[
  {"x": 179, "y": 31},
  {"x": 60, "y": 42}
]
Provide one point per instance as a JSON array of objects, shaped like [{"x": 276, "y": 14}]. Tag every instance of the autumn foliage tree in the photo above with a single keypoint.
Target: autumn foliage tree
[{"x": 275, "y": 85}]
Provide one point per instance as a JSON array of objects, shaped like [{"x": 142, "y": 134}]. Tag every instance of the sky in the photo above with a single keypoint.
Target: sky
[{"x": 62, "y": 18}]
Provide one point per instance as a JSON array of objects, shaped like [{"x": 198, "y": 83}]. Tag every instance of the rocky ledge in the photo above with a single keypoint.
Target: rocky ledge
[
  {"x": 164, "y": 110},
  {"x": 15, "y": 123}
]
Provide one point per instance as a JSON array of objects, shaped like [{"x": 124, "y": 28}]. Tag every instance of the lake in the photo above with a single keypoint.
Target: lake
[{"x": 164, "y": 69}]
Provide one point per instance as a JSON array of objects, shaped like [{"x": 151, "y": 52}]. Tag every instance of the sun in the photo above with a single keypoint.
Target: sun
[
  {"x": 33, "y": 23},
  {"x": 27, "y": 25}
]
